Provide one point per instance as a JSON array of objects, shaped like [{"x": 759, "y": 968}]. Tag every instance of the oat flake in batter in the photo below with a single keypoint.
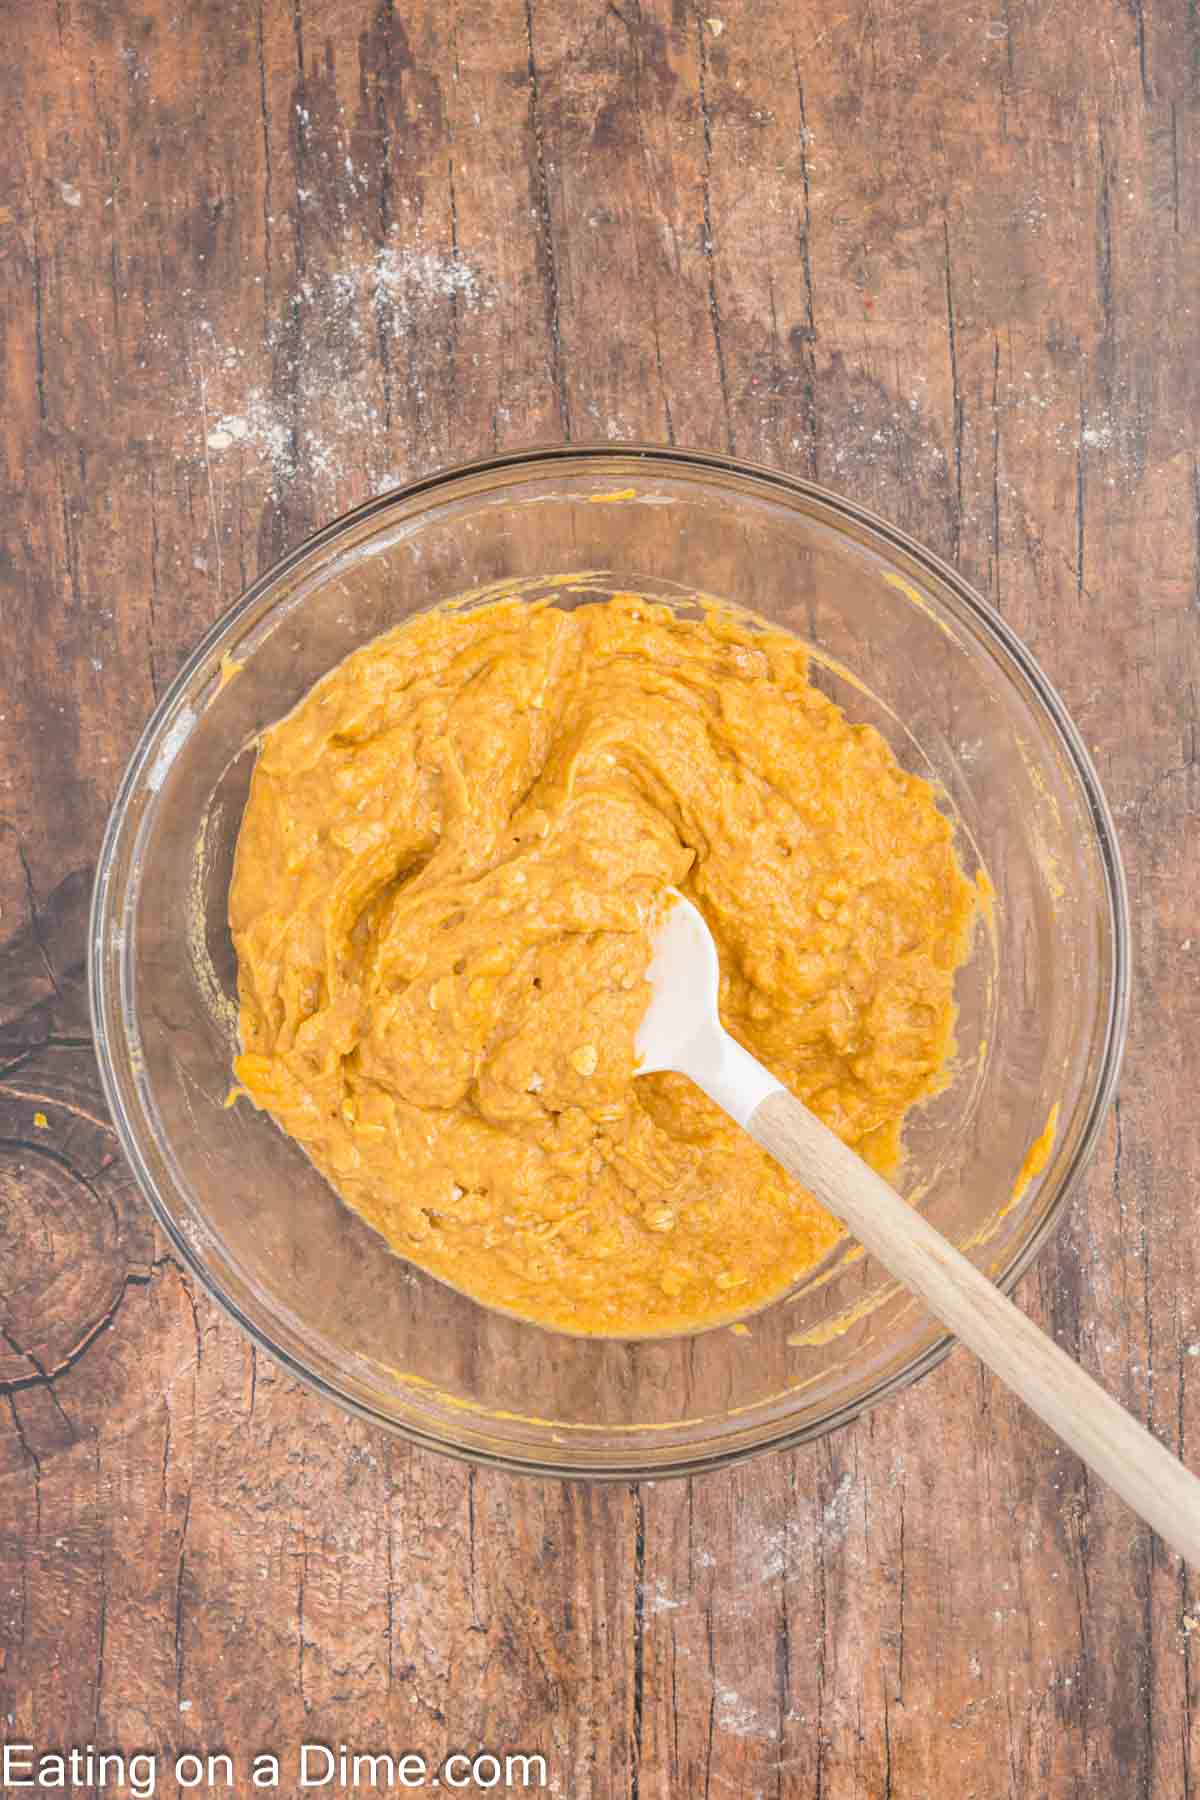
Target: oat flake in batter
[{"x": 448, "y": 861}]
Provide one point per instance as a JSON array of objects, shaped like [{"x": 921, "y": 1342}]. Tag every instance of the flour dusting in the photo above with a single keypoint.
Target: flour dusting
[
  {"x": 228, "y": 430},
  {"x": 326, "y": 346},
  {"x": 835, "y": 1516},
  {"x": 1100, "y": 435},
  {"x": 787, "y": 1549},
  {"x": 409, "y": 277},
  {"x": 263, "y": 427},
  {"x": 741, "y": 1717},
  {"x": 658, "y": 1600}
]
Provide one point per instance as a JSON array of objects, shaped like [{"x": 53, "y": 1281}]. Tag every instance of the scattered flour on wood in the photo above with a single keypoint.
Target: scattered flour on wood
[
  {"x": 786, "y": 1549},
  {"x": 325, "y": 349},
  {"x": 658, "y": 1600},
  {"x": 732, "y": 1712},
  {"x": 412, "y": 278},
  {"x": 1101, "y": 435}
]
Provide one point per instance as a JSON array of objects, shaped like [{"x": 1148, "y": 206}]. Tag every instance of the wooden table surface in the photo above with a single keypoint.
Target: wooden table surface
[{"x": 262, "y": 258}]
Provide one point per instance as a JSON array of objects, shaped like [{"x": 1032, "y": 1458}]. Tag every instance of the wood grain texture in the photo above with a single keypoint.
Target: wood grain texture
[
  {"x": 1115, "y": 1447},
  {"x": 259, "y": 258}
]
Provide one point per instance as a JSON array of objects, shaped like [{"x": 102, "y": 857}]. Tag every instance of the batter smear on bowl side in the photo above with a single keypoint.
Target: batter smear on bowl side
[{"x": 449, "y": 859}]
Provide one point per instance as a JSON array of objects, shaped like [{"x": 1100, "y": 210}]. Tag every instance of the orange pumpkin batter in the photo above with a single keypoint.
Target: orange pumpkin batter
[{"x": 448, "y": 860}]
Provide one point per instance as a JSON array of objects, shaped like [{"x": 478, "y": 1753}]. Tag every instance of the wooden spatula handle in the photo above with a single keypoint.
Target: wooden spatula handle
[{"x": 1109, "y": 1440}]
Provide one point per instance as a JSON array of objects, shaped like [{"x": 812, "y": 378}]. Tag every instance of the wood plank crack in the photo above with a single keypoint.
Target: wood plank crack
[
  {"x": 714, "y": 304},
  {"x": 639, "y": 1641},
  {"x": 31, "y": 1456},
  {"x": 808, "y": 334},
  {"x": 44, "y": 1376},
  {"x": 39, "y": 315},
  {"x": 547, "y": 256},
  {"x": 264, "y": 107},
  {"x": 957, "y": 403}
]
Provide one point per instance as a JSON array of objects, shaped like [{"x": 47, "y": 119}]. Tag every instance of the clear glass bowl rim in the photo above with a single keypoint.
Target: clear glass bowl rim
[{"x": 109, "y": 951}]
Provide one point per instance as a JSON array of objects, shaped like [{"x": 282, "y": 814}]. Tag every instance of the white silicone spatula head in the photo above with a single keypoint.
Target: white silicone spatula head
[
  {"x": 682, "y": 1030},
  {"x": 682, "y": 1027}
]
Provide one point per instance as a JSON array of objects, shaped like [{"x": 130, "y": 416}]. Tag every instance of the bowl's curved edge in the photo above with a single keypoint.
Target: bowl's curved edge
[{"x": 104, "y": 934}]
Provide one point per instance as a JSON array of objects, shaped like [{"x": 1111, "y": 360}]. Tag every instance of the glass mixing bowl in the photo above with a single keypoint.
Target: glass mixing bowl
[{"x": 902, "y": 643}]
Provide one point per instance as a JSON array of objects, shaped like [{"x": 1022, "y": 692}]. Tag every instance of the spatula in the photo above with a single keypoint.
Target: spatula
[{"x": 682, "y": 1030}]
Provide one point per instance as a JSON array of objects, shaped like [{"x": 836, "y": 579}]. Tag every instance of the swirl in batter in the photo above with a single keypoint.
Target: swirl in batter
[{"x": 448, "y": 860}]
